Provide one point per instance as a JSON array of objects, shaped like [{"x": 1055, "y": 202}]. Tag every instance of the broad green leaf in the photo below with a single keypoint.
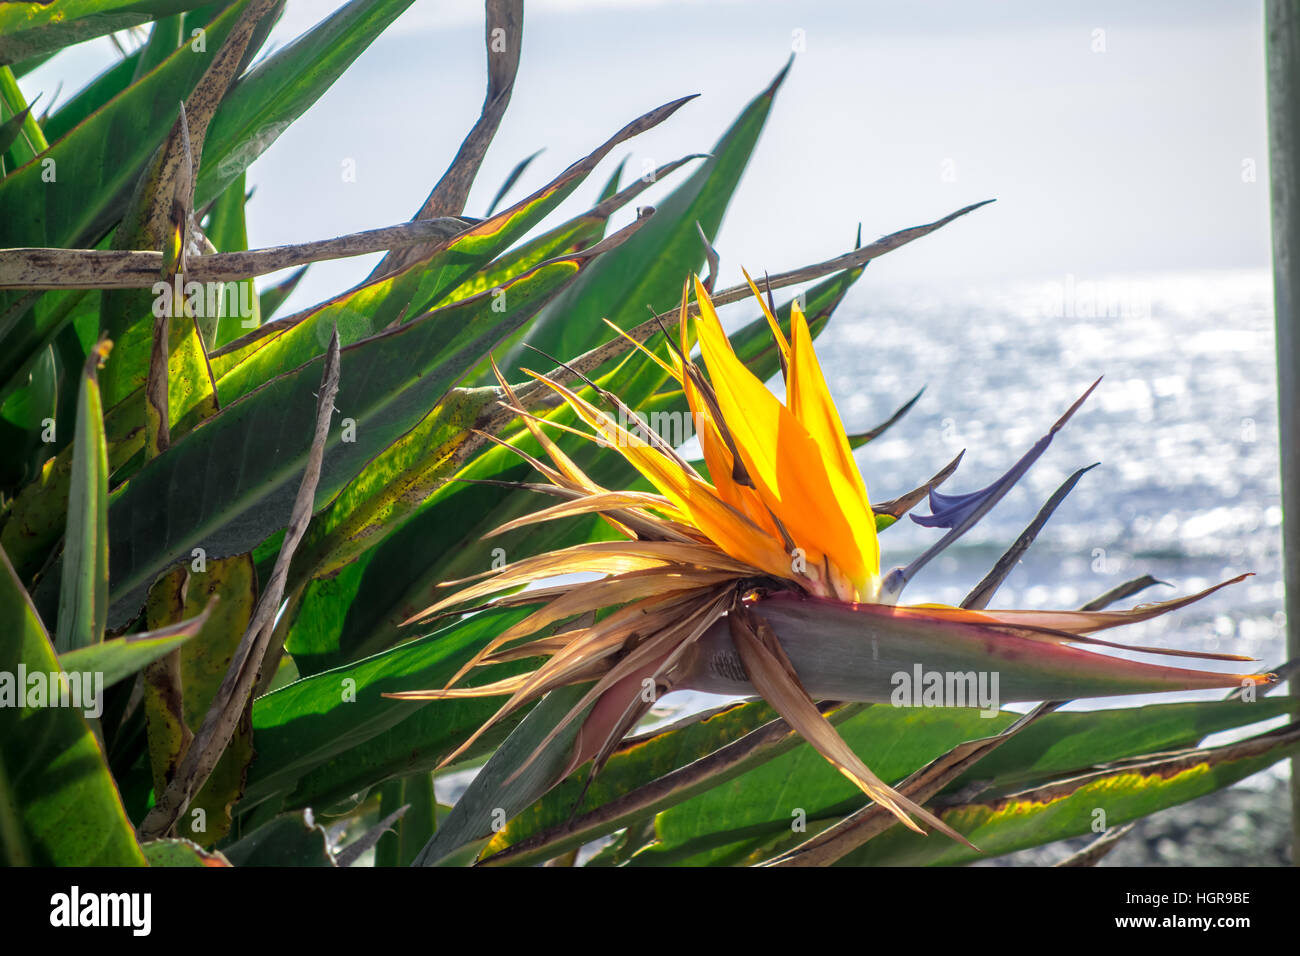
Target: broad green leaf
[
  {"x": 155, "y": 219},
  {"x": 328, "y": 721},
  {"x": 30, "y": 416},
  {"x": 1064, "y": 742},
  {"x": 577, "y": 233},
  {"x": 55, "y": 788},
  {"x": 127, "y": 70},
  {"x": 379, "y": 500},
  {"x": 83, "y": 595},
  {"x": 640, "y": 762},
  {"x": 27, "y": 139},
  {"x": 49, "y": 315},
  {"x": 894, "y": 742},
  {"x": 91, "y": 97},
  {"x": 165, "y": 37},
  {"x": 359, "y": 610},
  {"x": 1072, "y": 807},
  {"x": 37, "y": 519},
  {"x": 32, "y": 29},
  {"x": 418, "y": 743}
]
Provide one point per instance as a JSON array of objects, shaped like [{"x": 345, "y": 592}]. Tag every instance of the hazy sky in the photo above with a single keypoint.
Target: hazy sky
[{"x": 1116, "y": 137}]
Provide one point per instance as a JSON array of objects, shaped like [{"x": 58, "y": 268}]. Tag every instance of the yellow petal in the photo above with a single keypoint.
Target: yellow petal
[
  {"x": 810, "y": 400},
  {"x": 782, "y": 345},
  {"x": 786, "y": 463},
  {"x": 721, "y": 523}
]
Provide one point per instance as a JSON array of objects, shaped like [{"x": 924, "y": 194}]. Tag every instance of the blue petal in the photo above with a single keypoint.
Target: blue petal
[
  {"x": 959, "y": 513},
  {"x": 949, "y": 510}
]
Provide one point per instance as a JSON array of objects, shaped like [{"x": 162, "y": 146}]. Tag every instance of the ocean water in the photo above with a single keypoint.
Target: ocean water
[{"x": 1183, "y": 428}]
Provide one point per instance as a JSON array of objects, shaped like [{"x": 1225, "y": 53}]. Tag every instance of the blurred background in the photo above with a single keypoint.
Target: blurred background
[{"x": 1126, "y": 146}]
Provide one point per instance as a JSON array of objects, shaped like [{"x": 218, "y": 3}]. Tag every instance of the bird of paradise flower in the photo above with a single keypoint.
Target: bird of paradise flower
[{"x": 763, "y": 573}]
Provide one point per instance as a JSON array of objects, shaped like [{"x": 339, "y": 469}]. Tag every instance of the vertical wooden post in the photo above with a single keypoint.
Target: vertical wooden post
[{"x": 1282, "y": 31}]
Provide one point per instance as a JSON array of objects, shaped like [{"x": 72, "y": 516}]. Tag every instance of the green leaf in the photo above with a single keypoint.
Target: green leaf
[
  {"x": 30, "y": 417},
  {"x": 1064, "y": 742},
  {"x": 577, "y": 233},
  {"x": 155, "y": 219},
  {"x": 127, "y": 70},
  {"x": 359, "y": 610},
  {"x": 632, "y": 769},
  {"x": 27, "y": 138},
  {"x": 511, "y": 179},
  {"x": 165, "y": 37},
  {"x": 894, "y": 742},
  {"x": 1074, "y": 806},
  {"x": 338, "y": 722},
  {"x": 10, "y": 129},
  {"x": 56, "y": 794},
  {"x": 32, "y": 29},
  {"x": 123, "y": 656},
  {"x": 379, "y": 500},
  {"x": 83, "y": 596},
  {"x": 91, "y": 97}
]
